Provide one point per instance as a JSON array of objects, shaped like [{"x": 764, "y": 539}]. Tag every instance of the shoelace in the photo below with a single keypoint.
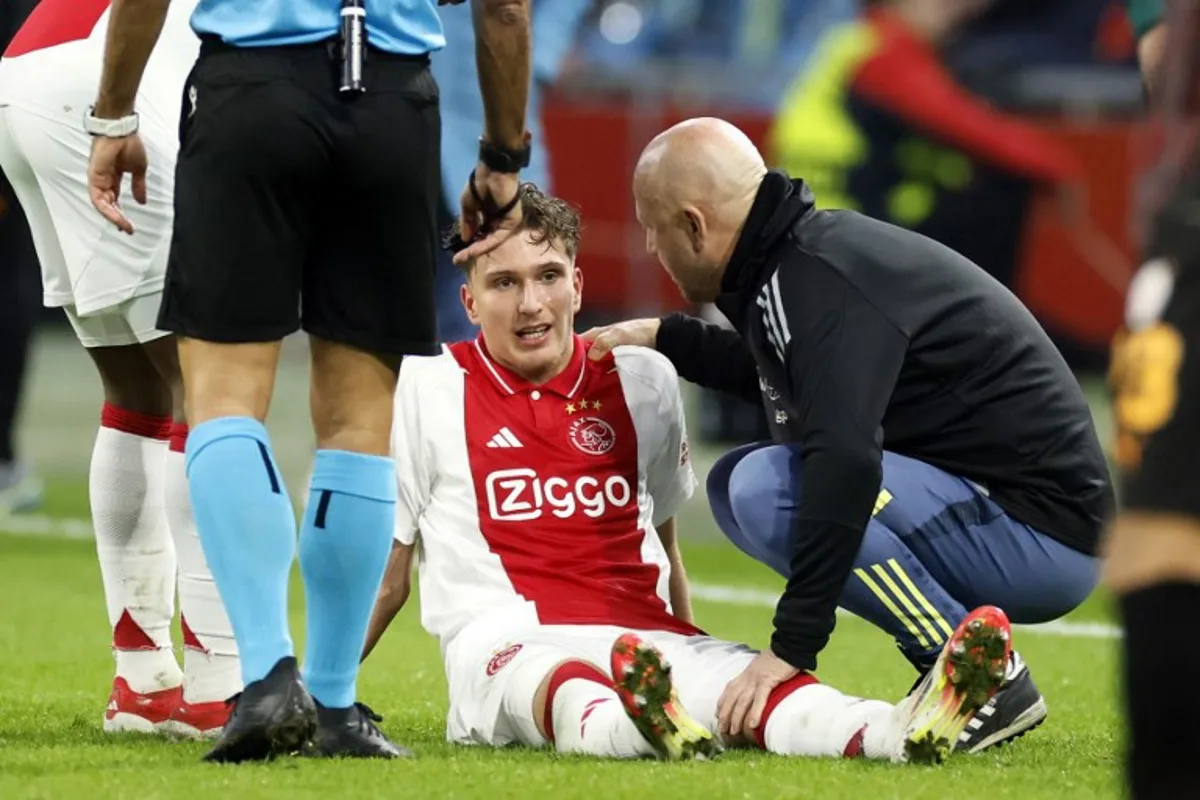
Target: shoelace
[{"x": 367, "y": 718}]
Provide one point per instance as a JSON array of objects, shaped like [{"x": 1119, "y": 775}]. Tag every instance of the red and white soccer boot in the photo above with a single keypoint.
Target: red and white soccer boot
[
  {"x": 967, "y": 674},
  {"x": 642, "y": 679},
  {"x": 130, "y": 711},
  {"x": 198, "y": 720}
]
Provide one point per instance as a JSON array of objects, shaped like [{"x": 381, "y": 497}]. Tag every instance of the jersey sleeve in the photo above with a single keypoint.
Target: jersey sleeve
[
  {"x": 657, "y": 410},
  {"x": 409, "y": 452},
  {"x": 671, "y": 479}
]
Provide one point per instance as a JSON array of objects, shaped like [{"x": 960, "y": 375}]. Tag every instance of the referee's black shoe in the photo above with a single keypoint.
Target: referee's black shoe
[
  {"x": 352, "y": 733},
  {"x": 271, "y": 717}
]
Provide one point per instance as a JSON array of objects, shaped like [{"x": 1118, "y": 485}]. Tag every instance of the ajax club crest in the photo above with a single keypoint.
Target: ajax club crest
[{"x": 591, "y": 435}]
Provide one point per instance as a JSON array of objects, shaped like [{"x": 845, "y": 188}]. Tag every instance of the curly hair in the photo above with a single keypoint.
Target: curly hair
[{"x": 546, "y": 218}]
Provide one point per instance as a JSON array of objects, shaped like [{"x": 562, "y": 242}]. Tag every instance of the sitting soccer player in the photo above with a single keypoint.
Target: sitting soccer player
[{"x": 542, "y": 487}]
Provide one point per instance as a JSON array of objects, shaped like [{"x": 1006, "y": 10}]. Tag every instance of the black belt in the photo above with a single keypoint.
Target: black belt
[{"x": 211, "y": 44}]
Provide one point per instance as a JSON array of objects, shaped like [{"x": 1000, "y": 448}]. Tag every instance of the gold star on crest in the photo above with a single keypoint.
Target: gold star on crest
[{"x": 570, "y": 408}]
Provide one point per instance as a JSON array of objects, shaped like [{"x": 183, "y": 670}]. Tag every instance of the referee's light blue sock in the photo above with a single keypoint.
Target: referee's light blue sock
[
  {"x": 247, "y": 529},
  {"x": 344, "y": 545}
]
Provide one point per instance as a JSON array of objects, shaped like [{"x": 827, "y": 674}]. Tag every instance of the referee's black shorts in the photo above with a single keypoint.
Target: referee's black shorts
[
  {"x": 297, "y": 210},
  {"x": 1157, "y": 400}
]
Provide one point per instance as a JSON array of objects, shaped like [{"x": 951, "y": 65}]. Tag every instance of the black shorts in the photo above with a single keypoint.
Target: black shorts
[
  {"x": 1157, "y": 371},
  {"x": 295, "y": 209}
]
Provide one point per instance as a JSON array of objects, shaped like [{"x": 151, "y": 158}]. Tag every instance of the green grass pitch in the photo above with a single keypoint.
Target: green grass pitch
[{"x": 57, "y": 667}]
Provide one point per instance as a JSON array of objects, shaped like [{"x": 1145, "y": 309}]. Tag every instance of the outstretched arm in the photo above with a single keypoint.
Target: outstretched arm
[
  {"x": 681, "y": 600},
  {"x": 393, "y": 594}
]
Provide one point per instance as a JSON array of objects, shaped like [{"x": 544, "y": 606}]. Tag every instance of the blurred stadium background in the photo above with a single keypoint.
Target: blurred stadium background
[
  {"x": 632, "y": 67},
  {"x": 1065, "y": 67}
]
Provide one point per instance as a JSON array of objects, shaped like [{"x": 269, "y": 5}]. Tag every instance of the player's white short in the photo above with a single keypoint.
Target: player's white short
[
  {"x": 87, "y": 264},
  {"x": 493, "y": 680},
  {"x": 132, "y": 322}
]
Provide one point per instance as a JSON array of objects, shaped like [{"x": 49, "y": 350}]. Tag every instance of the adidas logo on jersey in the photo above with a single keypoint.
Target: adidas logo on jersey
[{"x": 504, "y": 438}]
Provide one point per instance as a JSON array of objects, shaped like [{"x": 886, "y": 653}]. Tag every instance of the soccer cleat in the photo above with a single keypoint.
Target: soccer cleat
[
  {"x": 198, "y": 720},
  {"x": 642, "y": 679},
  {"x": 1016, "y": 709},
  {"x": 967, "y": 674},
  {"x": 271, "y": 717},
  {"x": 352, "y": 732},
  {"x": 133, "y": 712}
]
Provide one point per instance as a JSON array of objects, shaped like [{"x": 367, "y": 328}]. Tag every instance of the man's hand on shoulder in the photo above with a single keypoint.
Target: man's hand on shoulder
[{"x": 636, "y": 332}]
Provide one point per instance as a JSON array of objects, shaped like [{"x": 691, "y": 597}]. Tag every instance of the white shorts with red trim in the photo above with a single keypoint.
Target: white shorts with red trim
[{"x": 493, "y": 681}]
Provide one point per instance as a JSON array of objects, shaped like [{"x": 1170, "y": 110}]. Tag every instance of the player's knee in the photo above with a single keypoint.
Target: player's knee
[
  {"x": 227, "y": 380},
  {"x": 352, "y": 398},
  {"x": 130, "y": 381},
  {"x": 754, "y": 482}
]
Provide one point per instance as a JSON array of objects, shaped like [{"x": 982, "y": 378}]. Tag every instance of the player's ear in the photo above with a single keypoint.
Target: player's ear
[
  {"x": 577, "y": 282},
  {"x": 468, "y": 301},
  {"x": 695, "y": 228}
]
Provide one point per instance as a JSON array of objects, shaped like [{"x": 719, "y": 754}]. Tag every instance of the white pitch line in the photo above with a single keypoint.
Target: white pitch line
[
  {"x": 50, "y": 527},
  {"x": 59, "y": 528},
  {"x": 741, "y": 596}
]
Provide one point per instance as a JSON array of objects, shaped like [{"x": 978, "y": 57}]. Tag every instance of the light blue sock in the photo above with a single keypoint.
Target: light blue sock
[
  {"x": 248, "y": 532},
  {"x": 344, "y": 547}
]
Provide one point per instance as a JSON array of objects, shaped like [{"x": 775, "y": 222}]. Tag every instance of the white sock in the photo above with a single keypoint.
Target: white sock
[
  {"x": 137, "y": 559},
  {"x": 818, "y": 720},
  {"x": 589, "y": 718},
  {"x": 211, "y": 671}
]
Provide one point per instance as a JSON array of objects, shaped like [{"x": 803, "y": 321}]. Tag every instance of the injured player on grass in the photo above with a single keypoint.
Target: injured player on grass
[{"x": 542, "y": 487}]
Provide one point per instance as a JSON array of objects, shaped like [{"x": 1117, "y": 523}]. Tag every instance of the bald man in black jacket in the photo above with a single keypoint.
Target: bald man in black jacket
[{"x": 931, "y": 451}]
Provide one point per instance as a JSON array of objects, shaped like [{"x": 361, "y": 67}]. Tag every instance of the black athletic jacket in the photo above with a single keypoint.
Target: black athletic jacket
[{"x": 859, "y": 336}]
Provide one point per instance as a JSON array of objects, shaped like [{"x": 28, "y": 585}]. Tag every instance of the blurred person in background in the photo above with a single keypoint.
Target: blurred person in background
[
  {"x": 766, "y": 39},
  {"x": 878, "y": 124},
  {"x": 555, "y": 25},
  {"x": 1153, "y": 552},
  {"x": 1014, "y": 36},
  {"x": 20, "y": 304}
]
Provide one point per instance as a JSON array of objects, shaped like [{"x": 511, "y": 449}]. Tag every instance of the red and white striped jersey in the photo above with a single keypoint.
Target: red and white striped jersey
[
  {"x": 538, "y": 504},
  {"x": 58, "y": 54}
]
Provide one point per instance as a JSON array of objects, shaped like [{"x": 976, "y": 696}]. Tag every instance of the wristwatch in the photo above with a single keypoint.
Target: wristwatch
[
  {"x": 110, "y": 128},
  {"x": 503, "y": 159}
]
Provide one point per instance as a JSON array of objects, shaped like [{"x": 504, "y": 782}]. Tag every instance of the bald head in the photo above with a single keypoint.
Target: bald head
[
  {"x": 694, "y": 186},
  {"x": 705, "y": 162}
]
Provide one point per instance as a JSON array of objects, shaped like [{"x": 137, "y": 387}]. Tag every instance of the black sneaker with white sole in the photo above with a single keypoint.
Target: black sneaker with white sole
[{"x": 1016, "y": 709}]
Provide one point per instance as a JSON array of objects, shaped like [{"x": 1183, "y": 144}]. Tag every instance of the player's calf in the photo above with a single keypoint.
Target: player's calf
[{"x": 578, "y": 711}]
